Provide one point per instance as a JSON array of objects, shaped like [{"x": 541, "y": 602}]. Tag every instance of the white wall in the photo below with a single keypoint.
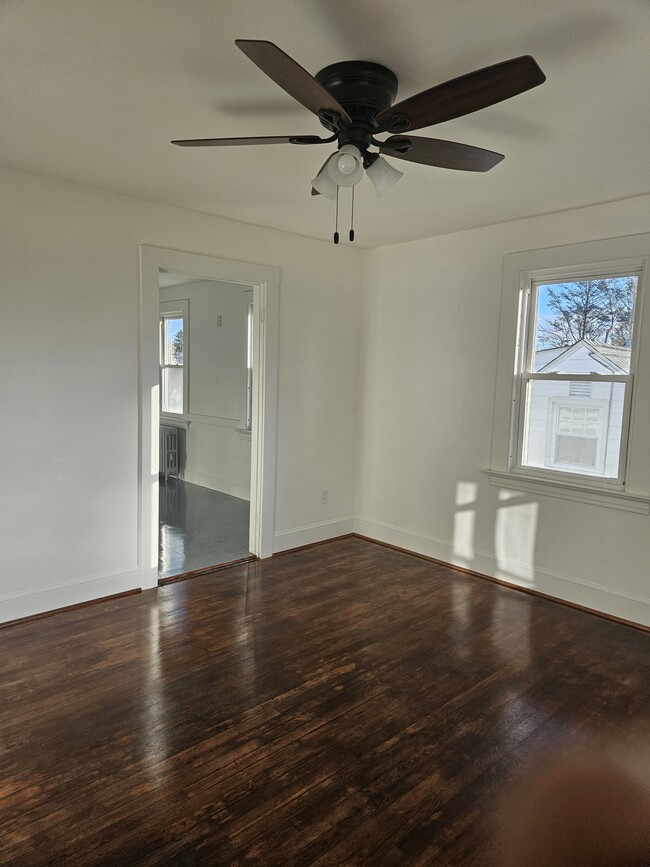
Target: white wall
[
  {"x": 69, "y": 286},
  {"x": 216, "y": 454},
  {"x": 429, "y": 360}
]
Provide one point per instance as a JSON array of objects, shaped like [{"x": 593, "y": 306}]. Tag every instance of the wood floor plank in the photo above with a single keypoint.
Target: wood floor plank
[{"x": 343, "y": 704}]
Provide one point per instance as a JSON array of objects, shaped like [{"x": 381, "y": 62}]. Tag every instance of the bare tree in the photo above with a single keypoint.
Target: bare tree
[{"x": 599, "y": 310}]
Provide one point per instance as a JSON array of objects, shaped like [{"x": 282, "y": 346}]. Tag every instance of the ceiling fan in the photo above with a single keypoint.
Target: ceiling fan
[{"x": 354, "y": 102}]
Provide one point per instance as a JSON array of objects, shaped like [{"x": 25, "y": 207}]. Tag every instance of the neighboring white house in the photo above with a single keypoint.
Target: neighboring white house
[{"x": 575, "y": 426}]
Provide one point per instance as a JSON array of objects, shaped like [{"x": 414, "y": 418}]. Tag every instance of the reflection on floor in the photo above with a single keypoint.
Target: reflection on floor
[{"x": 199, "y": 527}]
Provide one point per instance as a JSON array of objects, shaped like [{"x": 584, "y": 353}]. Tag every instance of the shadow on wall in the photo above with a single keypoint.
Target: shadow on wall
[{"x": 495, "y": 532}]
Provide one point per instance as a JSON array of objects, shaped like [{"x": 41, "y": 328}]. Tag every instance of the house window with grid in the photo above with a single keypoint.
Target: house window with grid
[{"x": 575, "y": 374}]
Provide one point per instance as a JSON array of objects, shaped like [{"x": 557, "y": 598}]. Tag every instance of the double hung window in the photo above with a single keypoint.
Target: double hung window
[
  {"x": 574, "y": 374},
  {"x": 571, "y": 403},
  {"x": 173, "y": 359}
]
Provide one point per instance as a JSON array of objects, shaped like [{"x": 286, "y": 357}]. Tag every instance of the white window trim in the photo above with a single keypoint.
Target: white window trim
[
  {"x": 174, "y": 421},
  {"x": 563, "y": 490},
  {"x": 529, "y": 281},
  {"x": 615, "y": 255}
]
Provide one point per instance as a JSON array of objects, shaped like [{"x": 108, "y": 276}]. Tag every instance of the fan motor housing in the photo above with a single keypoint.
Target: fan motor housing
[{"x": 364, "y": 89}]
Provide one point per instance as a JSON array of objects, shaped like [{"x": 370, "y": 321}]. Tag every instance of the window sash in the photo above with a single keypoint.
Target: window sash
[
  {"x": 517, "y": 464},
  {"x": 579, "y": 377},
  {"x": 167, "y": 388},
  {"x": 174, "y": 310},
  {"x": 623, "y": 254},
  {"x": 249, "y": 367},
  {"x": 525, "y": 357},
  {"x": 164, "y": 319},
  {"x": 571, "y": 276}
]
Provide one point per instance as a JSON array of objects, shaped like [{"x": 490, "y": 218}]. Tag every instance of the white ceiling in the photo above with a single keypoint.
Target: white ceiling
[
  {"x": 94, "y": 90},
  {"x": 166, "y": 279}
]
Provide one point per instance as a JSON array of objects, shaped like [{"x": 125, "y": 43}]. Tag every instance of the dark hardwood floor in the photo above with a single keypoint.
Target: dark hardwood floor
[{"x": 339, "y": 705}]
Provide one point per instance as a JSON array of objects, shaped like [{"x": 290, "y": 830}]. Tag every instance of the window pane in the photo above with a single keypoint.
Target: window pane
[
  {"x": 172, "y": 389},
  {"x": 576, "y": 450},
  {"x": 249, "y": 368},
  {"x": 584, "y": 326},
  {"x": 574, "y": 434},
  {"x": 172, "y": 340}
]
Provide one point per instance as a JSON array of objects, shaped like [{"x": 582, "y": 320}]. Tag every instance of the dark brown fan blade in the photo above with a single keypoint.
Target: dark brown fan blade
[
  {"x": 462, "y": 95},
  {"x": 291, "y": 77},
  {"x": 437, "y": 152},
  {"x": 250, "y": 140}
]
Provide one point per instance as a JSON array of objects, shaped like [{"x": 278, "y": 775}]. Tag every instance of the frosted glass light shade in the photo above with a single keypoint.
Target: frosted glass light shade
[
  {"x": 383, "y": 176},
  {"x": 345, "y": 168},
  {"x": 323, "y": 184}
]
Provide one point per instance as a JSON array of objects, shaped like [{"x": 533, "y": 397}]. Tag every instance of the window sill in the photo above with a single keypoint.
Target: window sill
[
  {"x": 612, "y": 499},
  {"x": 174, "y": 421}
]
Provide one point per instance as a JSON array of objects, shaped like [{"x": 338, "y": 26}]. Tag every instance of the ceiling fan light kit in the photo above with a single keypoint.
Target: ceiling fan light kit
[
  {"x": 323, "y": 185},
  {"x": 345, "y": 167},
  {"x": 354, "y": 101},
  {"x": 382, "y": 175}
]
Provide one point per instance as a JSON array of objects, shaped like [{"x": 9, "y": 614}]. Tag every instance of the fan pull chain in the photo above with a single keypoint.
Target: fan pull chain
[
  {"x": 336, "y": 225},
  {"x": 352, "y": 218}
]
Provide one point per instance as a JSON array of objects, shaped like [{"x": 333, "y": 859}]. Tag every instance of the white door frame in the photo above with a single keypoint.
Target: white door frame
[{"x": 265, "y": 281}]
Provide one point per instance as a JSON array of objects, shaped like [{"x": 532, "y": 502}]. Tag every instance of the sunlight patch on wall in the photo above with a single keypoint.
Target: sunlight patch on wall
[
  {"x": 515, "y": 535},
  {"x": 505, "y": 495},
  {"x": 466, "y": 493},
  {"x": 151, "y": 557},
  {"x": 464, "y": 523},
  {"x": 153, "y": 446}
]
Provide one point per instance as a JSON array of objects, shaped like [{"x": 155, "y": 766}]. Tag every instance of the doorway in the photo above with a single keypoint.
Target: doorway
[
  {"x": 206, "y": 402},
  {"x": 227, "y": 416}
]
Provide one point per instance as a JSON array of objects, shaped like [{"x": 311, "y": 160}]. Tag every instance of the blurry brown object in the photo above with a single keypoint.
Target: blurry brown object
[{"x": 587, "y": 810}]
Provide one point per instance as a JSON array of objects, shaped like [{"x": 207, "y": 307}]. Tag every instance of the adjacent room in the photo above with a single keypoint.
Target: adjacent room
[
  {"x": 325, "y": 509},
  {"x": 206, "y": 402}
]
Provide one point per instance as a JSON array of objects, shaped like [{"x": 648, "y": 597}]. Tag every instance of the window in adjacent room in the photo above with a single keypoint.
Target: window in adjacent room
[
  {"x": 173, "y": 361},
  {"x": 249, "y": 368},
  {"x": 573, "y": 385}
]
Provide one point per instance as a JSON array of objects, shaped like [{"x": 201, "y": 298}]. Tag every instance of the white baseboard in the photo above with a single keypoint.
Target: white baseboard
[
  {"x": 40, "y": 599},
  {"x": 283, "y": 540},
  {"x": 221, "y": 485},
  {"x": 616, "y": 603},
  {"x": 589, "y": 594}
]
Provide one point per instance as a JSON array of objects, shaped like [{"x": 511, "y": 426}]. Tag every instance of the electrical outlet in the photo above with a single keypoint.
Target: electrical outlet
[{"x": 324, "y": 497}]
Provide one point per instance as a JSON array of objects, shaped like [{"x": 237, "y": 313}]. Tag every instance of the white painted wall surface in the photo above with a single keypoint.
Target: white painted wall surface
[
  {"x": 429, "y": 360},
  {"x": 69, "y": 288},
  {"x": 217, "y": 455}
]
